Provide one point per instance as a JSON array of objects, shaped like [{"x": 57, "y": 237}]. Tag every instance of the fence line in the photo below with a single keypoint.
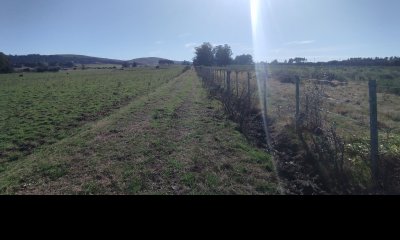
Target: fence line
[
  {"x": 236, "y": 83},
  {"x": 227, "y": 81}
]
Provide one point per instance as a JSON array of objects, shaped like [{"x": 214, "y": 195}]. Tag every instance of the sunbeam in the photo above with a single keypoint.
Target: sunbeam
[
  {"x": 259, "y": 44},
  {"x": 259, "y": 49}
]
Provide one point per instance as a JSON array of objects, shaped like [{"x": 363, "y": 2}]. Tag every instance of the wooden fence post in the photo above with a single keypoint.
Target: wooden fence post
[
  {"x": 237, "y": 84},
  {"x": 297, "y": 101},
  {"x": 213, "y": 75},
  {"x": 220, "y": 78},
  {"x": 224, "y": 80},
  {"x": 248, "y": 87},
  {"x": 265, "y": 101},
  {"x": 373, "y": 106},
  {"x": 228, "y": 82}
]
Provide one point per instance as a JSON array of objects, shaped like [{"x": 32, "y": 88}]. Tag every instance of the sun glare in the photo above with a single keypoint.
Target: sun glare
[
  {"x": 259, "y": 43},
  {"x": 254, "y": 6}
]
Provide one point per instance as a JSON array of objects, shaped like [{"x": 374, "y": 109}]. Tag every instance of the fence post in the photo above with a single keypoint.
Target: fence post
[
  {"x": 224, "y": 78},
  {"x": 228, "y": 82},
  {"x": 221, "y": 76},
  {"x": 213, "y": 75},
  {"x": 265, "y": 102},
  {"x": 237, "y": 84},
  {"x": 373, "y": 106},
  {"x": 248, "y": 87},
  {"x": 297, "y": 101}
]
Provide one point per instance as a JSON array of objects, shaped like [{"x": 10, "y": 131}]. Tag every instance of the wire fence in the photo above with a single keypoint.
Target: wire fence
[
  {"x": 344, "y": 103},
  {"x": 357, "y": 110}
]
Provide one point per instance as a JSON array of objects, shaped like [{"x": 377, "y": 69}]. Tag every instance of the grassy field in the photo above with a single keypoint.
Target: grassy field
[
  {"x": 388, "y": 77},
  {"x": 171, "y": 139},
  {"x": 43, "y": 108},
  {"x": 347, "y": 105},
  {"x": 157, "y": 131}
]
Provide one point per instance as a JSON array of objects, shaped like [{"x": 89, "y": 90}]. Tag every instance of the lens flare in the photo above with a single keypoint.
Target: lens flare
[
  {"x": 259, "y": 44},
  {"x": 260, "y": 49}
]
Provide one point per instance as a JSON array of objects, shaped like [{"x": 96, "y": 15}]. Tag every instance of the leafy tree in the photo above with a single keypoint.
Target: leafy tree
[
  {"x": 245, "y": 59},
  {"x": 223, "y": 55},
  {"x": 5, "y": 65},
  {"x": 299, "y": 60},
  {"x": 204, "y": 55},
  {"x": 275, "y": 62}
]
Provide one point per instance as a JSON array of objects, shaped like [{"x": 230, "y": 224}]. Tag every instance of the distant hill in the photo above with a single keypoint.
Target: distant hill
[
  {"x": 61, "y": 59},
  {"x": 151, "y": 61}
]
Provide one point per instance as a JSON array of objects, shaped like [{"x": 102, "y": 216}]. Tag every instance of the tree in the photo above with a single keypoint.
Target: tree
[
  {"x": 204, "y": 55},
  {"x": 299, "y": 60},
  {"x": 223, "y": 55},
  {"x": 275, "y": 62},
  {"x": 5, "y": 65},
  {"x": 245, "y": 59},
  {"x": 125, "y": 64}
]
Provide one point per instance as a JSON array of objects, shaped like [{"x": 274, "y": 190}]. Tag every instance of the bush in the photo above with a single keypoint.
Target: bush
[
  {"x": 320, "y": 139},
  {"x": 285, "y": 77},
  {"x": 5, "y": 65}
]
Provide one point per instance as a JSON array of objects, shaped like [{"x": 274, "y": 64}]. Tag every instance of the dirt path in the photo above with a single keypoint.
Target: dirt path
[{"x": 174, "y": 141}]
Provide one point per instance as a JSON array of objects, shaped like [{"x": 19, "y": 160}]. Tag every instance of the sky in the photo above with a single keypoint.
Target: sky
[{"x": 319, "y": 30}]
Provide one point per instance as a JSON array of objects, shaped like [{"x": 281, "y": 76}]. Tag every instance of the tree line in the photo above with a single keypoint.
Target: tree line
[
  {"x": 34, "y": 60},
  {"x": 5, "y": 65},
  {"x": 221, "y": 55},
  {"x": 129, "y": 64},
  {"x": 358, "y": 62}
]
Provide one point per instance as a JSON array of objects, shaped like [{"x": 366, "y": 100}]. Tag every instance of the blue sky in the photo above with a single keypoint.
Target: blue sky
[{"x": 271, "y": 29}]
